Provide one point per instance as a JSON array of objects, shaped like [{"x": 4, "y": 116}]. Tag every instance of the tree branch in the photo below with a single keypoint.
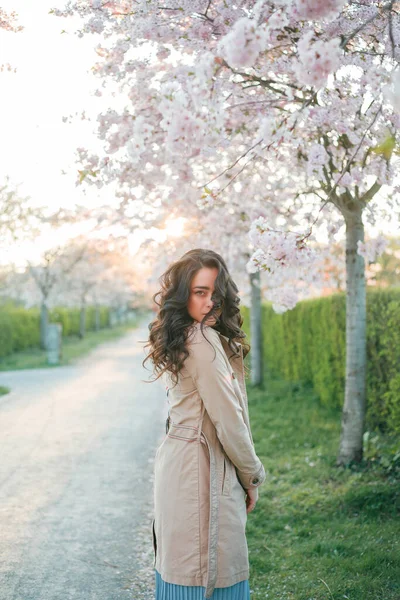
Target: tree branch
[
  {"x": 369, "y": 194},
  {"x": 345, "y": 41},
  {"x": 231, "y": 167}
]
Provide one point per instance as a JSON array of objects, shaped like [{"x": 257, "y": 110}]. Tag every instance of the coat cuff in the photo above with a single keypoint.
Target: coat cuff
[{"x": 252, "y": 480}]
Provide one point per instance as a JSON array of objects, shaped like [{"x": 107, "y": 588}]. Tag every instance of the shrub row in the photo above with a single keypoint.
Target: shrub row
[
  {"x": 308, "y": 344},
  {"x": 20, "y": 327},
  {"x": 69, "y": 318}
]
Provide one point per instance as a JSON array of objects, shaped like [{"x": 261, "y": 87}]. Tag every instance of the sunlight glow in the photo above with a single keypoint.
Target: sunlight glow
[{"x": 174, "y": 227}]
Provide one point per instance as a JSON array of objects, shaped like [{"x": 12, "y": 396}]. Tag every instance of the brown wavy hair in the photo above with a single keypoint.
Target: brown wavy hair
[{"x": 170, "y": 328}]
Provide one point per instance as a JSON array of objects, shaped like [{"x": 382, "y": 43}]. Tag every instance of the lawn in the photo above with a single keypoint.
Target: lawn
[
  {"x": 73, "y": 347},
  {"x": 318, "y": 532}
]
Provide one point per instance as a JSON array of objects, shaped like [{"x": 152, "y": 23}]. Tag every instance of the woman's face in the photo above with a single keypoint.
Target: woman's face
[{"x": 201, "y": 290}]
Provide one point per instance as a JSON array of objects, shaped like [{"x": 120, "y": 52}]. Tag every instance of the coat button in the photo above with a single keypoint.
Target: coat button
[{"x": 255, "y": 480}]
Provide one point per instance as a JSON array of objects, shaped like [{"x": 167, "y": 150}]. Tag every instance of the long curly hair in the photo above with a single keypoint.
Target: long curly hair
[{"x": 171, "y": 327}]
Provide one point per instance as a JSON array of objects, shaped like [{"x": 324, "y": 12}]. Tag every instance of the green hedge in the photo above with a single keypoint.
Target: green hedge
[
  {"x": 308, "y": 344},
  {"x": 69, "y": 318},
  {"x": 20, "y": 327}
]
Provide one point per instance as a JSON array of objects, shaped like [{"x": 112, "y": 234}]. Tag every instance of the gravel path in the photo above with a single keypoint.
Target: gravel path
[{"x": 77, "y": 446}]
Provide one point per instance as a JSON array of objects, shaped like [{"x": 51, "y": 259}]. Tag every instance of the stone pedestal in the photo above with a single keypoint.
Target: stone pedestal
[
  {"x": 113, "y": 318},
  {"x": 53, "y": 343}
]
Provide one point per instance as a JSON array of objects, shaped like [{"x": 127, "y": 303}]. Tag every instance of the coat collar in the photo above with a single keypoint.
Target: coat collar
[
  {"x": 240, "y": 345},
  {"x": 236, "y": 362}
]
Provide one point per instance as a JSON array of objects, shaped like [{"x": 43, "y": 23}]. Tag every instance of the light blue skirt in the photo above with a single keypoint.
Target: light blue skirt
[{"x": 171, "y": 591}]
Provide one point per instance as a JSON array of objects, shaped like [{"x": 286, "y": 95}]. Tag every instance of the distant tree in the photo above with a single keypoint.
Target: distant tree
[
  {"x": 18, "y": 218},
  {"x": 385, "y": 272},
  {"x": 56, "y": 264}
]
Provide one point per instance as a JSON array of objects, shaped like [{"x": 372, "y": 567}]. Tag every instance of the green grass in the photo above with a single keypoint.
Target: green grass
[
  {"x": 73, "y": 347},
  {"x": 4, "y": 390},
  {"x": 318, "y": 532}
]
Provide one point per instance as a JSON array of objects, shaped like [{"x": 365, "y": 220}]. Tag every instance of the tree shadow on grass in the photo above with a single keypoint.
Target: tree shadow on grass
[{"x": 372, "y": 502}]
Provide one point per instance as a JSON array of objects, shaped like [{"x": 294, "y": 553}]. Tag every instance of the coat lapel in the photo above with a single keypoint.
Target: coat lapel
[{"x": 237, "y": 364}]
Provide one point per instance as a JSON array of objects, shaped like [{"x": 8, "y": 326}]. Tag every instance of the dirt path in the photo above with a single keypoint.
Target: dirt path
[{"x": 76, "y": 473}]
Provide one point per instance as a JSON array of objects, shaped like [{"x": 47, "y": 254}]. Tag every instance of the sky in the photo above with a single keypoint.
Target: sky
[{"x": 52, "y": 80}]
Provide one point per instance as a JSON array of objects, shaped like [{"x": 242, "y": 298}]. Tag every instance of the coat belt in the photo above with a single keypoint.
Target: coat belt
[{"x": 213, "y": 524}]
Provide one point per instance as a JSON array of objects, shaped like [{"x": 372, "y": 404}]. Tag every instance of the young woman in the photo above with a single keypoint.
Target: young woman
[{"x": 206, "y": 469}]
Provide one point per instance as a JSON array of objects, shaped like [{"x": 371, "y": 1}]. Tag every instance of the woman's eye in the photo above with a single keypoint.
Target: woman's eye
[{"x": 199, "y": 292}]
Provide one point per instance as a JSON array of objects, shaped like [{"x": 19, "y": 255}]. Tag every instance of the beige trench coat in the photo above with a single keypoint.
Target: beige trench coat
[{"x": 202, "y": 468}]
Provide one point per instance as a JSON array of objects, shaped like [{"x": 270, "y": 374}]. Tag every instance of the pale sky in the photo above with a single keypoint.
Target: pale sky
[{"x": 53, "y": 80}]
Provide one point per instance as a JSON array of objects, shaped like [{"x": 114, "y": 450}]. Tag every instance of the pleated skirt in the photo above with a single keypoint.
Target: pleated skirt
[{"x": 171, "y": 591}]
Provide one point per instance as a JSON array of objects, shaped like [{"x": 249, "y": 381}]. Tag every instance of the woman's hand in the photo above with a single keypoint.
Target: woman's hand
[{"x": 251, "y": 499}]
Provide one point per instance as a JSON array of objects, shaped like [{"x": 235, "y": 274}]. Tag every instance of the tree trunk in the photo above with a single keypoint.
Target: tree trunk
[
  {"x": 97, "y": 318},
  {"x": 82, "y": 321},
  {"x": 256, "y": 354},
  {"x": 353, "y": 416},
  {"x": 44, "y": 321}
]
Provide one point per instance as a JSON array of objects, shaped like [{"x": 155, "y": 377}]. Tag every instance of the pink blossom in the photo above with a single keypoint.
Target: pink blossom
[
  {"x": 319, "y": 9},
  {"x": 392, "y": 91},
  {"x": 317, "y": 158},
  {"x": 282, "y": 299},
  {"x": 372, "y": 249},
  {"x": 317, "y": 59},
  {"x": 276, "y": 249},
  {"x": 242, "y": 45}
]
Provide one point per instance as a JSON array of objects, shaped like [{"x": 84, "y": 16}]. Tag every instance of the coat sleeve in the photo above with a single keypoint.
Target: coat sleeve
[{"x": 207, "y": 366}]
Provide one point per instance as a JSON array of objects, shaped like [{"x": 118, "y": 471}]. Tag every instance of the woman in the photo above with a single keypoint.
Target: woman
[{"x": 206, "y": 469}]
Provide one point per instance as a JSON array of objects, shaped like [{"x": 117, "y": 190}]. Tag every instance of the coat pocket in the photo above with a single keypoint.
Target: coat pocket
[{"x": 182, "y": 432}]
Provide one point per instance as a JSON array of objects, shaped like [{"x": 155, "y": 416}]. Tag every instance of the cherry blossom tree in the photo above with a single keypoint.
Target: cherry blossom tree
[
  {"x": 104, "y": 276},
  {"x": 55, "y": 266},
  {"x": 215, "y": 93},
  {"x": 19, "y": 220},
  {"x": 38, "y": 283},
  {"x": 83, "y": 271}
]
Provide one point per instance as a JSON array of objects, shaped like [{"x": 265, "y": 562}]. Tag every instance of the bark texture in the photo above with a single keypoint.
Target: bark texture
[
  {"x": 82, "y": 322},
  {"x": 44, "y": 321},
  {"x": 97, "y": 318},
  {"x": 353, "y": 416},
  {"x": 256, "y": 354}
]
